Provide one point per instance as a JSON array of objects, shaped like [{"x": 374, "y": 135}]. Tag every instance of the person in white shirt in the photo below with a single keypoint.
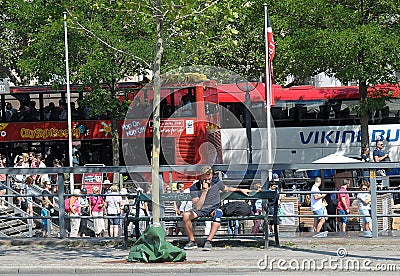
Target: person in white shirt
[
  {"x": 317, "y": 205},
  {"x": 185, "y": 205},
  {"x": 364, "y": 205},
  {"x": 113, "y": 206}
]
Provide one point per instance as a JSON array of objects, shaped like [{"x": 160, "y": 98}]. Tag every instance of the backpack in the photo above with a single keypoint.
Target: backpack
[
  {"x": 67, "y": 205},
  {"x": 236, "y": 208},
  {"x": 334, "y": 198}
]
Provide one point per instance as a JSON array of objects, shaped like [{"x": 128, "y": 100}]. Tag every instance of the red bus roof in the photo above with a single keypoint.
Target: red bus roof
[{"x": 232, "y": 93}]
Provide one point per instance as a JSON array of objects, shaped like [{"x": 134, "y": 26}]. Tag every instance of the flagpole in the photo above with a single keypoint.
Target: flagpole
[
  {"x": 71, "y": 177},
  {"x": 268, "y": 90}
]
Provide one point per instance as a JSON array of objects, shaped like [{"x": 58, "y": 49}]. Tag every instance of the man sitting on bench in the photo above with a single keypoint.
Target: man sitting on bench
[{"x": 206, "y": 199}]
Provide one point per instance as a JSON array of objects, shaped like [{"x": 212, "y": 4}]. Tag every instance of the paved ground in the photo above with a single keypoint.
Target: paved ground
[{"x": 304, "y": 254}]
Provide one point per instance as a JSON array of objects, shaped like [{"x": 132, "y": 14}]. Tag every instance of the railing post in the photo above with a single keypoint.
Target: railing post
[
  {"x": 374, "y": 209},
  {"x": 8, "y": 184},
  {"x": 61, "y": 209}
]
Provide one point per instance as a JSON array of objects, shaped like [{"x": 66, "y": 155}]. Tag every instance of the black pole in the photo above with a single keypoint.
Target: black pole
[
  {"x": 61, "y": 209},
  {"x": 248, "y": 129}
]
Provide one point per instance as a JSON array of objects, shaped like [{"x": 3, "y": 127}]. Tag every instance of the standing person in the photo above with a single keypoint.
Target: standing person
[
  {"x": 48, "y": 197},
  {"x": 206, "y": 200},
  {"x": 343, "y": 206},
  {"x": 21, "y": 161},
  {"x": 380, "y": 156},
  {"x": 273, "y": 186},
  {"x": 125, "y": 201},
  {"x": 84, "y": 202},
  {"x": 75, "y": 155},
  {"x": 97, "y": 210},
  {"x": 3, "y": 182},
  {"x": 28, "y": 191},
  {"x": 317, "y": 205},
  {"x": 113, "y": 207},
  {"x": 46, "y": 225},
  {"x": 364, "y": 207},
  {"x": 106, "y": 187},
  {"x": 257, "y": 210},
  {"x": 365, "y": 156},
  {"x": 42, "y": 178},
  {"x": 75, "y": 208},
  {"x": 53, "y": 177},
  {"x": 33, "y": 163},
  {"x": 19, "y": 182}
]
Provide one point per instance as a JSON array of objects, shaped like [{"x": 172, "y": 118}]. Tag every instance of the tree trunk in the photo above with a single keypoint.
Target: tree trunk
[
  {"x": 364, "y": 114},
  {"x": 155, "y": 160},
  {"x": 115, "y": 147}
]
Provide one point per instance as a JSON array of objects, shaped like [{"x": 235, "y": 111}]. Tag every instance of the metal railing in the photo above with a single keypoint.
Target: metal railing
[{"x": 264, "y": 170}]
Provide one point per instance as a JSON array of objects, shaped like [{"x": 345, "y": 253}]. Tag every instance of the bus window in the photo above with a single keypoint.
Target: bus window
[
  {"x": 211, "y": 101},
  {"x": 185, "y": 102}
]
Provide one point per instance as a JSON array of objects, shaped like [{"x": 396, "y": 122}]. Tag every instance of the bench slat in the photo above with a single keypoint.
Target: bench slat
[
  {"x": 224, "y": 196},
  {"x": 179, "y": 218}
]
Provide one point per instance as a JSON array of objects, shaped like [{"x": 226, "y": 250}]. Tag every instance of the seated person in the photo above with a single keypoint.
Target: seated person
[{"x": 206, "y": 200}]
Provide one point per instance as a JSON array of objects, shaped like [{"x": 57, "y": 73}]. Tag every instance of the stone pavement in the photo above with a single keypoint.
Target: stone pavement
[{"x": 303, "y": 254}]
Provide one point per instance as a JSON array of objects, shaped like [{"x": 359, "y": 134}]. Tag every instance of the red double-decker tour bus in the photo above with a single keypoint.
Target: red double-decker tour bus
[{"x": 34, "y": 118}]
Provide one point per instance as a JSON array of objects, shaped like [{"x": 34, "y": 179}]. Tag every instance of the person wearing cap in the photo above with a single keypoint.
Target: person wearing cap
[
  {"x": 343, "y": 207},
  {"x": 97, "y": 211},
  {"x": 106, "y": 186},
  {"x": 206, "y": 198}
]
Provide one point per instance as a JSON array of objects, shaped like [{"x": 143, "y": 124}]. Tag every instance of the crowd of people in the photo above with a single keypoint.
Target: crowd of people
[
  {"x": 28, "y": 112},
  {"x": 104, "y": 206}
]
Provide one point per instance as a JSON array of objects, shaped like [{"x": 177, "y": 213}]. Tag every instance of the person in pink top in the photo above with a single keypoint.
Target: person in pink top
[
  {"x": 343, "y": 207},
  {"x": 75, "y": 207},
  {"x": 97, "y": 210},
  {"x": 3, "y": 182}
]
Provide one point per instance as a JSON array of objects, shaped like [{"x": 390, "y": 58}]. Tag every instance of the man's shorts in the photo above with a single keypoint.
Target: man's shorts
[
  {"x": 343, "y": 219},
  {"x": 365, "y": 212},
  {"x": 203, "y": 212},
  {"x": 113, "y": 221},
  {"x": 321, "y": 213}
]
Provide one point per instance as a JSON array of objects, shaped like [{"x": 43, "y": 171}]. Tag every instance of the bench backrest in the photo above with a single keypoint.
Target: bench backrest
[{"x": 270, "y": 195}]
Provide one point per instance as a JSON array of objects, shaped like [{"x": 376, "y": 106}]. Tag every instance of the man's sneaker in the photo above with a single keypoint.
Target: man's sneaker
[
  {"x": 321, "y": 235},
  {"x": 207, "y": 246},
  {"x": 190, "y": 245}
]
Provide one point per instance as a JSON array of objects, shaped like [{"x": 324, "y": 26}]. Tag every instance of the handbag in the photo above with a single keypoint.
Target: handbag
[{"x": 280, "y": 213}]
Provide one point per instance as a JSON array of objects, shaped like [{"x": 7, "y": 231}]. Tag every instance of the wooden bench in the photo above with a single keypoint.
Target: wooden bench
[{"x": 271, "y": 196}]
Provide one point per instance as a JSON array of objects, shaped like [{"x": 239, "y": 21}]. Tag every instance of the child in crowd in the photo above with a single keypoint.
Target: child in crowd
[{"x": 46, "y": 225}]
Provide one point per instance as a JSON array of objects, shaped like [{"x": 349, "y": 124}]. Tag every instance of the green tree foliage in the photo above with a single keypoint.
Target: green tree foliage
[
  {"x": 349, "y": 39},
  {"x": 106, "y": 43},
  {"x": 226, "y": 34}
]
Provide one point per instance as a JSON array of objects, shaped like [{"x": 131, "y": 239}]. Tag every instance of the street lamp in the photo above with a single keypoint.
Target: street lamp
[{"x": 247, "y": 87}]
